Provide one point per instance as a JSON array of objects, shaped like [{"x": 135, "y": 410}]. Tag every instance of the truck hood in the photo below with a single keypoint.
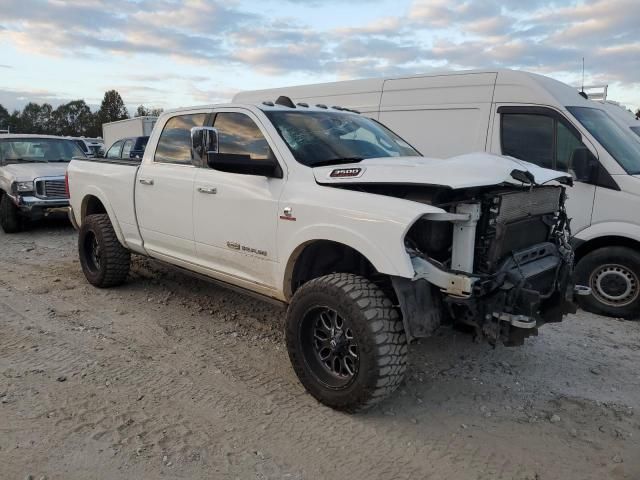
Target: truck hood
[
  {"x": 24, "y": 172},
  {"x": 464, "y": 171}
]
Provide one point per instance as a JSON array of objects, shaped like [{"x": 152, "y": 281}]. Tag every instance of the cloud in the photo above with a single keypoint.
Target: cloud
[{"x": 548, "y": 36}]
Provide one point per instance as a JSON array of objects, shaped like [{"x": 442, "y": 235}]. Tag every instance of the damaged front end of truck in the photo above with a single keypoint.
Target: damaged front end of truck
[{"x": 507, "y": 271}]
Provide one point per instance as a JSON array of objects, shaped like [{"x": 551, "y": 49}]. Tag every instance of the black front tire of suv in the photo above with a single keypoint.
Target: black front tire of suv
[
  {"x": 346, "y": 341},
  {"x": 105, "y": 262},
  {"x": 613, "y": 273},
  {"x": 10, "y": 220}
]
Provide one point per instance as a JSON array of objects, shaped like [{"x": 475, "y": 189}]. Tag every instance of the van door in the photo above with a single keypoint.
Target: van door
[{"x": 542, "y": 135}]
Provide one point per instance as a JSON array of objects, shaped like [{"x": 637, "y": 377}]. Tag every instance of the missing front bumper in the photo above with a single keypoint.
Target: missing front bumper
[{"x": 532, "y": 287}]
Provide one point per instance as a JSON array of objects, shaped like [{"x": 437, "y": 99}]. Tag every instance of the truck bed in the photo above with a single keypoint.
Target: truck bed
[{"x": 111, "y": 182}]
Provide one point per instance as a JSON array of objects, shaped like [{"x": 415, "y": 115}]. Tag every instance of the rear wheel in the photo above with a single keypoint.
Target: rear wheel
[
  {"x": 10, "y": 220},
  {"x": 105, "y": 262},
  {"x": 613, "y": 273},
  {"x": 346, "y": 341}
]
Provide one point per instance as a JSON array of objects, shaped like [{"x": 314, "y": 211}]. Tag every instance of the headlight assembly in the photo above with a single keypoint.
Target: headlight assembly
[{"x": 22, "y": 187}]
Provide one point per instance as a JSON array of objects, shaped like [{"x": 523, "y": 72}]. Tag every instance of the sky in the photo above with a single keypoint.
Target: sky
[{"x": 166, "y": 53}]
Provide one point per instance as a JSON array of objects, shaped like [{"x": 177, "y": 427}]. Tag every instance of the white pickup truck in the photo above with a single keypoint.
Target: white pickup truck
[{"x": 368, "y": 243}]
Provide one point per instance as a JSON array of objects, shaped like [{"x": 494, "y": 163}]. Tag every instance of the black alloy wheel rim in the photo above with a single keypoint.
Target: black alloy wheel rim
[
  {"x": 329, "y": 347},
  {"x": 92, "y": 251}
]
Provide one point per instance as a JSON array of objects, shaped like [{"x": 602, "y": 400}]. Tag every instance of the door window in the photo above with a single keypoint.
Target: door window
[
  {"x": 539, "y": 139},
  {"x": 126, "y": 149},
  {"x": 238, "y": 134},
  {"x": 528, "y": 137},
  {"x": 114, "y": 151},
  {"x": 174, "y": 145}
]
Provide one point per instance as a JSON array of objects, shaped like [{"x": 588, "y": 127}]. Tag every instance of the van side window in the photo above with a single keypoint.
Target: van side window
[
  {"x": 174, "y": 144},
  {"x": 528, "y": 137},
  {"x": 567, "y": 144},
  {"x": 238, "y": 134}
]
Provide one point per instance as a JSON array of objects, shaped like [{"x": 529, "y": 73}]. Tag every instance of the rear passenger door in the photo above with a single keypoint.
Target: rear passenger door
[
  {"x": 164, "y": 192},
  {"x": 543, "y": 136}
]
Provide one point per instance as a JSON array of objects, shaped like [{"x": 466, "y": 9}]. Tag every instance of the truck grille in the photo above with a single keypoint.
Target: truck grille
[
  {"x": 50, "y": 189},
  {"x": 512, "y": 221}
]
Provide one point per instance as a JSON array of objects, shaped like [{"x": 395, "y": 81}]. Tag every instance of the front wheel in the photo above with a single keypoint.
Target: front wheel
[
  {"x": 10, "y": 220},
  {"x": 613, "y": 273},
  {"x": 105, "y": 262},
  {"x": 346, "y": 341}
]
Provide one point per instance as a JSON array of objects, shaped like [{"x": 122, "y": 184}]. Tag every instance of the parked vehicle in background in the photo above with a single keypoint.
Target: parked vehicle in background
[
  {"x": 529, "y": 117},
  {"x": 369, "y": 244},
  {"x": 91, "y": 147},
  {"x": 131, "y": 127},
  {"x": 128, "y": 148},
  {"x": 624, "y": 118},
  {"x": 32, "y": 169}
]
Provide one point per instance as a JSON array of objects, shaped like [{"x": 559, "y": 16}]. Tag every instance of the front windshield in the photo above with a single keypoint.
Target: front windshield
[
  {"x": 618, "y": 142},
  {"x": 329, "y": 138},
  {"x": 636, "y": 130},
  {"x": 19, "y": 150}
]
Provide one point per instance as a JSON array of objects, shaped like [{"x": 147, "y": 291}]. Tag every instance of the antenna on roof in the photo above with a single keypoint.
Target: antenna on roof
[
  {"x": 582, "y": 94},
  {"x": 285, "y": 102}
]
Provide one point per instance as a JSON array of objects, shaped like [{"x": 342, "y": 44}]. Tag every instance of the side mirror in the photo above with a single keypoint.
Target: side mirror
[
  {"x": 244, "y": 164},
  {"x": 204, "y": 141},
  {"x": 584, "y": 165}
]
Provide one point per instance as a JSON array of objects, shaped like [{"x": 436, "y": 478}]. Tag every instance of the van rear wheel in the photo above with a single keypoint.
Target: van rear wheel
[
  {"x": 613, "y": 273},
  {"x": 105, "y": 262},
  {"x": 346, "y": 341}
]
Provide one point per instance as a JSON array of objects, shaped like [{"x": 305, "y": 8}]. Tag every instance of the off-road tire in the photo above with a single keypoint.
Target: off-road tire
[
  {"x": 113, "y": 266},
  {"x": 376, "y": 324},
  {"x": 628, "y": 262},
  {"x": 10, "y": 220}
]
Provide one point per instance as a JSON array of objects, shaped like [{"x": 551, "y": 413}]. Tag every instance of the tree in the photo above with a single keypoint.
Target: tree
[
  {"x": 73, "y": 119},
  {"x": 4, "y": 118},
  {"x": 143, "y": 111},
  {"x": 37, "y": 118},
  {"x": 638, "y": 114},
  {"x": 112, "y": 108}
]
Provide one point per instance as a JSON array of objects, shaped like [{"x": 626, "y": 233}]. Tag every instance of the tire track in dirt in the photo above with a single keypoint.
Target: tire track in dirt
[{"x": 239, "y": 387}]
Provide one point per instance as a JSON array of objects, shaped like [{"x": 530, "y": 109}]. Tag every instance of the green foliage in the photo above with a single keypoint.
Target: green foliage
[
  {"x": 143, "y": 111},
  {"x": 70, "y": 119}
]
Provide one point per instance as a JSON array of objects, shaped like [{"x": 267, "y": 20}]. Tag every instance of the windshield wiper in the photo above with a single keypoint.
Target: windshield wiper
[{"x": 337, "y": 161}]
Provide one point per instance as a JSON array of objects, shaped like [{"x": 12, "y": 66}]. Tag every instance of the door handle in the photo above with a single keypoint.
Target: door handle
[
  {"x": 209, "y": 190},
  {"x": 146, "y": 181}
]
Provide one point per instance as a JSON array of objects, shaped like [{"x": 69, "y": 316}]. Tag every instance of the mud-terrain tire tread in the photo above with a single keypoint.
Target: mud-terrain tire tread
[
  {"x": 115, "y": 258},
  {"x": 380, "y": 331},
  {"x": 10, "y": 220},
  {"x": 622, "y": 255}
]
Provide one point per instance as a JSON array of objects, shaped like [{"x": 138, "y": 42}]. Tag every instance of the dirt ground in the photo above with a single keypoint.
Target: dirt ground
[{"x": 171, "y": 377}]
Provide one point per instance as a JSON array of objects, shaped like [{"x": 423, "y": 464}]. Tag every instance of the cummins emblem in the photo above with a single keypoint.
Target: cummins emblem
[{"x": 345, "y": 172}]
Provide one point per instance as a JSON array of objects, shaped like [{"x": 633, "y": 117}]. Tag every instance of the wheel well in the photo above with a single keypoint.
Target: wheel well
[
  {"x": 91, "y": 206},
  {"x": 609, "y": 241},
  {"x": 323, "y": 257}
]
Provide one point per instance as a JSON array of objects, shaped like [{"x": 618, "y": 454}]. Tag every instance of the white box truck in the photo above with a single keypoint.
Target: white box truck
[
  {"x": 530, "y": 117},
  {"x": 130, "y": 127}
]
